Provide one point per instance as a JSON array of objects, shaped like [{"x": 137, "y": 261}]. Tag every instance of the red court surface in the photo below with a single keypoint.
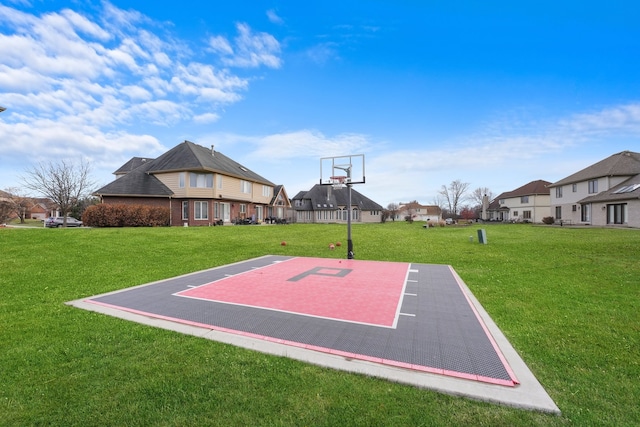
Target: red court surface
[
  {"x": 406, "y": 322},
  {"x": 327, "y": 288}
]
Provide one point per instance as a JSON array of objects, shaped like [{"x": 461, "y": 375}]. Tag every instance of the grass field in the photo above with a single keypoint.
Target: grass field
[{"x": 568, "y": 299}]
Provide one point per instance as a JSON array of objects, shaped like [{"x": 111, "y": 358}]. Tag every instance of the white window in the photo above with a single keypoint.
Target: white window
[
  {"x": 219, "y": 181},
  {"x": 181, "y": 178},
  {"x": 558, "y": 192},
  {"x": 245, "y": 187},
  {"x": 201, "y": 180},
  {"x": 266, "y": 191},
  {"x": 201, "y": 210},
  {"x": 593, "y": 186},
  {"x": 243, "y": 208}
]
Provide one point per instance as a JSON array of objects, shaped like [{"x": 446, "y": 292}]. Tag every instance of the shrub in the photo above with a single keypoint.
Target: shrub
[
  {"x": 122, "y": 215},
  {"x": 548, "y": 220}
]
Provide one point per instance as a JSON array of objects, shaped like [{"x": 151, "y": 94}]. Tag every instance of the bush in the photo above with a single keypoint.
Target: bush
[
  {"x": 122, "y": 215},
  {"x": 548, "y": 220}
]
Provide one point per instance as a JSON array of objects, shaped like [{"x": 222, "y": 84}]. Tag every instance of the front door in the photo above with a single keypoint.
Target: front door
[{"x": 225, "y": 212}]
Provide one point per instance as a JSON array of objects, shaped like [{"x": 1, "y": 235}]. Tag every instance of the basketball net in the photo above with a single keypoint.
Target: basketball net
[{"x": 338, "y": 182}]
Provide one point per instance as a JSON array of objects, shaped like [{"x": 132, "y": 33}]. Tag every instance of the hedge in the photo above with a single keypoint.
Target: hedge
[{"x": 122, "y": 215}]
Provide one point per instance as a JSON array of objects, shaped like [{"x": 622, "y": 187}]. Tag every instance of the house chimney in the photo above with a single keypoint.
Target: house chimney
[{"x": 212, "y": 152}]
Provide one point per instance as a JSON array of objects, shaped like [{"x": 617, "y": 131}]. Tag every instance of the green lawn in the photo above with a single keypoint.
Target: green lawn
[{"x": 568, "y": 299}]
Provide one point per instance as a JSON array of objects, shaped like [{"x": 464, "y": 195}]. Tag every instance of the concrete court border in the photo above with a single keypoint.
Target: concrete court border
[{"x": 528, "y": 394}]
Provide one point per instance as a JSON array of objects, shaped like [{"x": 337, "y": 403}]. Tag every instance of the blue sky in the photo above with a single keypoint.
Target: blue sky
[{"x": 495, "y": 93}]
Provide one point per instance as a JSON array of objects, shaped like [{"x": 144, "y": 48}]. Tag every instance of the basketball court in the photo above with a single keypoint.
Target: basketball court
[{"x": 412, "y": 323}]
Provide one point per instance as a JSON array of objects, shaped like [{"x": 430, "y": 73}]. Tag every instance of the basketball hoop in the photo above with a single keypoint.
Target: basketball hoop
[{"x": 338, "y": 182}]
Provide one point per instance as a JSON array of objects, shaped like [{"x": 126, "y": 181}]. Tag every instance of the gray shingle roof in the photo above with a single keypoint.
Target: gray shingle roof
[
  {"x": 539, "y": 187},
  {"x": 132, "y": 164},
  {"x": 193, "y": 157},
  {"x": 625, "y": 163},
  {"x": 322, "y": 197},
  {"x": 138, "y": 179},
  {"x": 136, "y": 183}
]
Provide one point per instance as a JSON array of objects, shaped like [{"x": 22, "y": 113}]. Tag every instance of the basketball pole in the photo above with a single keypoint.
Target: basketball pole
[
  {"x": 347, "y": 169},
  {"x": 349, "y": 241}
]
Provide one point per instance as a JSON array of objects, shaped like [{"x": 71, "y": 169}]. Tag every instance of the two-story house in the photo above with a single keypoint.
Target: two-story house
[
  {"x": 200, "y": 186},
  {"x": 529, "y": 203},
  {"x": 324, "y": 204},
  {"x": 605, "y": 193}
]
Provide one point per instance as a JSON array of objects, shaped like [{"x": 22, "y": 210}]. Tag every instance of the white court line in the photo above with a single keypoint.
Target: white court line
[{"x": 402, "y": 294}]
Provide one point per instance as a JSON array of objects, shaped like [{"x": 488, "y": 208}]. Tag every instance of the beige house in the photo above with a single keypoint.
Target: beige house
[
  {"x": 606, "y": 193},
  {"x": 419, "y": 212},
  {"x": 200, "y": 186},
  {"x": 529, "y": 203}
]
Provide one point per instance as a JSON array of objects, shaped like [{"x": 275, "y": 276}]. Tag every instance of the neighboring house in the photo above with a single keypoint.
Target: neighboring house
[
  {"x": 35, "y": 208},
  {"x": 605, "y": 193},
  {"x": 529, "y": 203},
  {"x": 324, "y": 204},
  {"x": 40, "y": 209},
  {"x": 200, "y": 186},
  {"x": 419, "y": 212}
]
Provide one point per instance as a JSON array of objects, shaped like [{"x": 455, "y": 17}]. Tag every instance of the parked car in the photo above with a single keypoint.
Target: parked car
[
  {"x": 57, "y": 222},
  {"x": 449, "y": 221}
]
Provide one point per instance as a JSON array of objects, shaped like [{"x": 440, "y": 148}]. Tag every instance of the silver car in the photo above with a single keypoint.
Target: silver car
[{"x": 57, "y": 222}]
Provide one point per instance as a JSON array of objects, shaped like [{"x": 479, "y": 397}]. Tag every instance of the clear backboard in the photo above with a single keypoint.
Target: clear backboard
[{"x": 349, "y": 169}]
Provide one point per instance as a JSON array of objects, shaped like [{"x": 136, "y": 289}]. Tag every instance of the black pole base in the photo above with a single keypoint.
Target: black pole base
[{"x": 350, "y": 249}]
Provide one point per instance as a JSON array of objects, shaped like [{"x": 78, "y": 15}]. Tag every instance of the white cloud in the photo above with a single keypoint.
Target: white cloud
[
  {"x": 306, "y": 143},
  {"x": 274, "y": 18},
  {"x": 618, "y": 119},
  {"x": 81, "y": 84},
  {"x": 220, "y": 45},
  {"x": 323, "y": 52},
  {"x": 206, "y": 118},
  {"x": 251, "y": 49}
]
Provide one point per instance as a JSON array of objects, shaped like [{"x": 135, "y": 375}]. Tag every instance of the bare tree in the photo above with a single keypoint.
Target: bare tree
[
  {"x": 19, "y": 203},
  {"x": 5, "y": 211},
  {"x": 64, "y": 182},
  {"x": 454, "y": 194},
  {"x": 392, "y": 208},
  {"x": 477, "y": 196}
]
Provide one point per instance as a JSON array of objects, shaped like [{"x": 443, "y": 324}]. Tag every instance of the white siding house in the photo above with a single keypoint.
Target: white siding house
[{"x": 605, "y": 193}]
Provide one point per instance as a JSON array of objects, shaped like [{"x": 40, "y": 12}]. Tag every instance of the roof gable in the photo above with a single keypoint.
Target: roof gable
[{"x": 280, "y": 195}]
